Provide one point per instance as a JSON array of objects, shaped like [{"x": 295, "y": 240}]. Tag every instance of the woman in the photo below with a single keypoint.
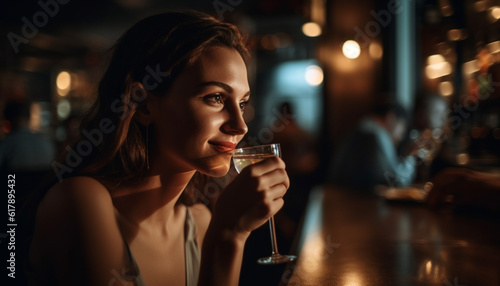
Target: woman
[{"x": 169, "y": 105}]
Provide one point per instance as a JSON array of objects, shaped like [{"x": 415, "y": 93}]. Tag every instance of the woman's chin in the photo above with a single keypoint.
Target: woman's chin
[
  {"x": 215, "y": 168},
  {"x": 218, "y": 171}
]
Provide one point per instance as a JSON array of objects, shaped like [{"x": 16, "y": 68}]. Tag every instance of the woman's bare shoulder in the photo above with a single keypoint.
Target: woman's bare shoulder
[
  {"x": 77, "y": 231},
  {"x": 73, "y": 198},
  {"x": 79, "y": 185},
  {"x": 76, "y": 192}
]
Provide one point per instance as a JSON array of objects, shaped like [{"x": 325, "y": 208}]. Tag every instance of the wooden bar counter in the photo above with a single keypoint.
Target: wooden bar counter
[{"x": 354, "y": 239}]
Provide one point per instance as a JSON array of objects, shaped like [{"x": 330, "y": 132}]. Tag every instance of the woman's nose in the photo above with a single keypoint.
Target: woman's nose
[{"x": 235, "y": 124}]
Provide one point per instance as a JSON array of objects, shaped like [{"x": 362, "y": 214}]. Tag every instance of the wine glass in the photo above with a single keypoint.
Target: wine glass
[{"x": 243, "y": 157}]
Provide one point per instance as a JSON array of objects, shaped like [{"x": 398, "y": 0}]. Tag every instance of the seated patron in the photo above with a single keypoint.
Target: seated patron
[{"x": 368, "y": 155}]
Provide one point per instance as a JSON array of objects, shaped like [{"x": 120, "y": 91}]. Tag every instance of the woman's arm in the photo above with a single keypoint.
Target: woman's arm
[
  {"x": 222, "y": 257},
  {"x": 246, "y": 203}
]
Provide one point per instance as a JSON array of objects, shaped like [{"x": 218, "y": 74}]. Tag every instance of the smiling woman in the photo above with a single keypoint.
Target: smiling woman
[
  {"x": 174, "y": 93},
  {"x": 207, "y": 98}
]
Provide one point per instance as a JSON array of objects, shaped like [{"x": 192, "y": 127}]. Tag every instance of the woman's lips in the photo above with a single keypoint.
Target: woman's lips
[{"x": 223, "y": 146}]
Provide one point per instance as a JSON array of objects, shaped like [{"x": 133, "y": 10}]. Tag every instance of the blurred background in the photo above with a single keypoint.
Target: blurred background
[
  {"x": 329, "y": 61},
  {"x": 317, "y": 67}
]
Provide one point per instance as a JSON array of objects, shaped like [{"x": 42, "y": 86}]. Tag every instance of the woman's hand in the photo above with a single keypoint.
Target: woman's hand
[
  {"x": 252, "y": 197},
  {"x": 247, "y": 202}
]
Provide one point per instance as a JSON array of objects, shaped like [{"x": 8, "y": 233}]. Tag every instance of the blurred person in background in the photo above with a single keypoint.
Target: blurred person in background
[
  {"x": 430, "y": 113},
  {"x": 368, "y": 155},
  {"x": 22, "y": 149},
  {"x": 429, "y": 134}
]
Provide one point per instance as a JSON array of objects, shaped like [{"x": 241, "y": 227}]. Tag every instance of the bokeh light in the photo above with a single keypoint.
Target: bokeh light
[
  {"x": 63, "y": 109},
  {"x": 311, "y": 29},
  {"x": 375, "y": 50},
  {"x": 462, "y": 159},
  {"x": 63, "y": 83},
  {"x": 437, "y": 67},
  {"x": 495, "y": 12},
  {"x": 446, "y": 88},
  {"x": 351, "y": 49},
  {"x": 314, "y": 75}
]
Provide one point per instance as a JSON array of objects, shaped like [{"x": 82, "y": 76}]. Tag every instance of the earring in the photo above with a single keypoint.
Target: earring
[{"x": 147, "y": 145}]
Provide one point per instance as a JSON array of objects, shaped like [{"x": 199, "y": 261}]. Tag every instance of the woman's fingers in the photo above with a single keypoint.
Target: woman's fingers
[
  {"x": 278, "y": 191},
  {"x": 267, "y": 209},
  {"x": 254, "y": 195},
  {"x": 272, "y": 198},
  {"x": 273, "y": 178},
  {"x": 268, "y": 173},
  {"x": 265, "y": 166}
]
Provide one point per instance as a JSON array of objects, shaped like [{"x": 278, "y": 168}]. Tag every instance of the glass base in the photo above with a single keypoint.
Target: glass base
[{"x": 276, "y": 259}]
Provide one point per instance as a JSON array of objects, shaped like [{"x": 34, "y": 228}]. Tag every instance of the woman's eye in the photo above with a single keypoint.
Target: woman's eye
[
  {"x": 243, "y": 105},
  {"x": 214, "y": 98}
]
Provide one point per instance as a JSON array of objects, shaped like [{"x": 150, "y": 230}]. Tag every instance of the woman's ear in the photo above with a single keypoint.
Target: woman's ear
[{"x": 142, "y": 98}]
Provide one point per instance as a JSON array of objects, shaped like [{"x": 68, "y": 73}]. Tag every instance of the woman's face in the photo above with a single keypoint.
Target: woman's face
[{"x": 200, "y": 118}]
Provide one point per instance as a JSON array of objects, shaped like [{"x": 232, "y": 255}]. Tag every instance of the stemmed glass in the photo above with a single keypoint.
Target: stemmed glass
[{"x": 243, "y": 157}]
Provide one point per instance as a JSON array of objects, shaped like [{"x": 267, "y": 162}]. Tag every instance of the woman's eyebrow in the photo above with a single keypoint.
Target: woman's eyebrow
[{"x": 224, "y": 86}]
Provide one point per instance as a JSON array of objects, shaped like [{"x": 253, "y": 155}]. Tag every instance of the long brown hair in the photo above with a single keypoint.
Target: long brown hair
[
  {"x": 157, "y": 49},
  {"x": 153, "y": 52}
]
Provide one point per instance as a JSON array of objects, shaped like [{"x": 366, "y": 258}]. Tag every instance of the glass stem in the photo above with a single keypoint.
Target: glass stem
[{"x": 274, "y": 244}]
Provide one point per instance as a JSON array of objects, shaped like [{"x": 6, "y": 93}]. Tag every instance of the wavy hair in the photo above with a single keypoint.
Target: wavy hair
[{"x": 153, "y": 52}]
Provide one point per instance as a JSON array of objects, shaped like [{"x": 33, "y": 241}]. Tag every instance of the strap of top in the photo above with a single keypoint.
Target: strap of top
[
  {"x": 136, "y": 277},
  {"x": 192, "y": 251}
]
